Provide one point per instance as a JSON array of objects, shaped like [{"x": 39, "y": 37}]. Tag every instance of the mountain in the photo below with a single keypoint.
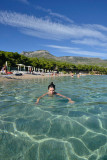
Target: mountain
[
  {"x": 38, "y": 54},
  {"x": 71, "y": 59},
  {"x": 84, "y": 60}
]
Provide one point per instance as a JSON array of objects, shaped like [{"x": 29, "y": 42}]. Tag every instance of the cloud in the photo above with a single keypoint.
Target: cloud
[
  {"x": 39, "y": 34},
  {"x": 31, "y": 24},
  {"x": 97, "y": 27},
  {"x": 49, "y": 11},
  {"x": 78, "y": 51},
  {"x": 90, "y": 42},
  {"x": 47, "y": 29},
  {"x": 91, "y": 35}
]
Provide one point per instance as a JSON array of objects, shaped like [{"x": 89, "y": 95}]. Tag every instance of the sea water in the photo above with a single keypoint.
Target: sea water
[{"x": 54, "y": 129}]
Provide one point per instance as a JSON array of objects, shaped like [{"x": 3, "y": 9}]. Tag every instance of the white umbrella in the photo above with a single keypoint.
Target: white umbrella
[{"x": 6, "y": 63}]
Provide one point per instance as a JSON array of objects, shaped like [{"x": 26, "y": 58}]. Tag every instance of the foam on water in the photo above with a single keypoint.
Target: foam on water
[{"x": 54, "y": 129}]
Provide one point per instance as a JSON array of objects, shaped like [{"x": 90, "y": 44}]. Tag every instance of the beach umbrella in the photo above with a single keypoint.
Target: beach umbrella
[{"x": 6, "y": 63}]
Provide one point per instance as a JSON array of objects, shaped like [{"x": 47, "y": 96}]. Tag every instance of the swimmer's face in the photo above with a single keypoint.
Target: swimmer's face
[{"x": 51, "y": 90}]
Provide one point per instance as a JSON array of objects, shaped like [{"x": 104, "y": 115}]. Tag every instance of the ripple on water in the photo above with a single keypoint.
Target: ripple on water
[
  {"x": 103, "y": 152},
  {"x": 92, "y": 123},
  {"x": 34, "y": 122},
  {"x": 64, "y": 127},
  {"x": 77, "y": 114},
  {"x": 54, "y": 150},
  {"x": 79, "y": 147},
  {"x": 12, "y": 147},
  {"x": 16, "y": 147},
  {"x": 92, "y": 157},
  {"x": 104, "y": 123},
  {"x": 32, "y": 126},
  {"x": 93, "y": 140},
  {"x": 6, "y": 126}
]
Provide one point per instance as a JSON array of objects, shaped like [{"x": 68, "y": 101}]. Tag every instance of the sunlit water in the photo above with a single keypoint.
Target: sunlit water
[{"x": 54, "y": 129}]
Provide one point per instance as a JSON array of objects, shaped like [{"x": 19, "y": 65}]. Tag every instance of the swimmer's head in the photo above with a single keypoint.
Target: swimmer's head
[
  {"x": 51, "y": 88},
  {"x": 51, "y": 85}
]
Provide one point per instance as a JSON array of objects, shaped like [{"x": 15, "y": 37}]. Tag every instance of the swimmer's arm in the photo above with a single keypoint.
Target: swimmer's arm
[
  {"x": 70, "y": 101},
  {"x": 41, "y": 97}
]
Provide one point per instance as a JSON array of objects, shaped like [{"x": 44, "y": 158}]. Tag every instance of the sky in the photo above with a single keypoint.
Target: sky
[{"x": 62, "y": 27}]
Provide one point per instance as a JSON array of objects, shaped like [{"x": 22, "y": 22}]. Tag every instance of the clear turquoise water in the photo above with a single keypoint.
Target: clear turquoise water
[{"x": 54, "y": 129}]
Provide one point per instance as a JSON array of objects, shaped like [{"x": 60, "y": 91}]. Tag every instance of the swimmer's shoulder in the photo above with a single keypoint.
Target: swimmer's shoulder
[{"x": 58, "y": 94}]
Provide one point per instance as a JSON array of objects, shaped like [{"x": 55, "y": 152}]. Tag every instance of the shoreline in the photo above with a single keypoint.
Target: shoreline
[
  {"x": 4, "y": 78},
  {"x": 12, "y": 77}
]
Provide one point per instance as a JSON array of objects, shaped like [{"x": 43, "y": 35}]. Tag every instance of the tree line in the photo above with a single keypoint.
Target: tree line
[{"x": 14, "y": 58}]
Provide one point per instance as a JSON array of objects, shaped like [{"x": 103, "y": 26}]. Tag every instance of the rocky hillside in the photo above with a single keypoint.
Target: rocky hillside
[
  {"x": 39, "y": 54},
  {"x": 84, "y": 60},
  {"x": 74, "y": 60}
]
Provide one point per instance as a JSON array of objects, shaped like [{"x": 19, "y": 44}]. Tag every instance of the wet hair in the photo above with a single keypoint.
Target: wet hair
[{"x": 51, "y": 85}]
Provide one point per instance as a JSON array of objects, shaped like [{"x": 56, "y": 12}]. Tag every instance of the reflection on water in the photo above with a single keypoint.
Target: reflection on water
[{"x": 54, "y": 129}]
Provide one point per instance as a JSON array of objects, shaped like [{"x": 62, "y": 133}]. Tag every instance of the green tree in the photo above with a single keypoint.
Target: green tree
[
  {"x": 2, "y": 59},
  {"x": 34, "y": 62},
  {"x": 25, "y": 60}
]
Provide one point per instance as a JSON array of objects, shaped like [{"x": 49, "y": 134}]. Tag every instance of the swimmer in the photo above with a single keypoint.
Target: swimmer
[
  {"x": 78, "y": 76},
  {"x": 51, "y": 92}
]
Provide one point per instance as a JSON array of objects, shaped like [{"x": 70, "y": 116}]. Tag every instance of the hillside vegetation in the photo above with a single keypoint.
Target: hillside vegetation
[
  {"x": 70, "y": 59},
  {"x": 47, "y": 64}
]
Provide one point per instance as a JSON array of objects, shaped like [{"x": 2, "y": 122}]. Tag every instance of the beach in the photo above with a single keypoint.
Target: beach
[
  {"x": 28, "y": 76},
  {"x": 13, "y": 77}
]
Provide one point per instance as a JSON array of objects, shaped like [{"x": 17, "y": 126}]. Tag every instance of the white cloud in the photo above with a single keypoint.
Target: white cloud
[
  {"x": 78, "y": 51},
  {"x": 39, "y": 27},
  {"x": 90, "y": 42},
  {"x": 49, "y": 11},
  {"x": 39, "y": 34},
  {"x": 96, "y": 27}
]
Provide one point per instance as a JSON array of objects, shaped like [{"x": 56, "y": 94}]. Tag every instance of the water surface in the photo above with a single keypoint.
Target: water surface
[{"x": 54, "y": 129}]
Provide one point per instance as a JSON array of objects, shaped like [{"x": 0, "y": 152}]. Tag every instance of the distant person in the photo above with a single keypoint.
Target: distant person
[
  {"x": 30, "y": 70},
  {"x": 78, "y": 76},
  {"x": 71, "y": 74},
  {"x": 51, "y": 92},
  {"x": 5, "y": 69}
]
